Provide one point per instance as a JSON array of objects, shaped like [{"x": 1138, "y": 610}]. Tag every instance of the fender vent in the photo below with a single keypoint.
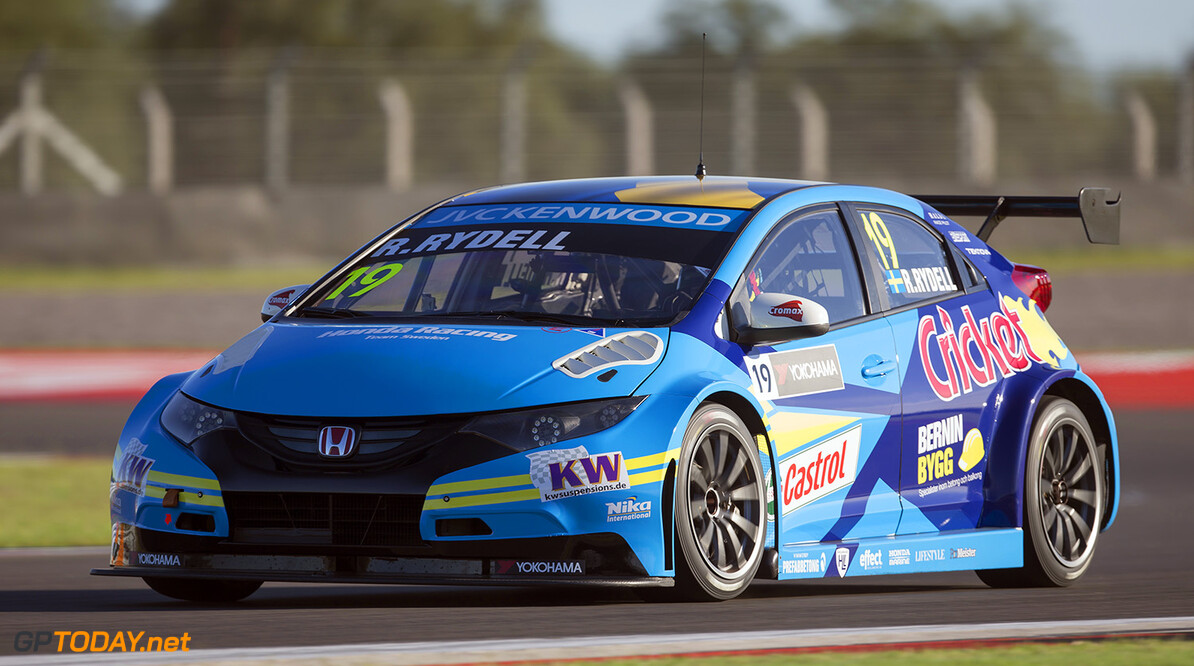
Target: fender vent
[{"x": 630, "y": 348}]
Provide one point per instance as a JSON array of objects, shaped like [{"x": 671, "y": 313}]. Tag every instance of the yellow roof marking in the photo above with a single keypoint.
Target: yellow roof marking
[
  {"x": 732, "y": 194},
  {"x": 181, "y": 480},
  {"x": 480, "y": 484},
  {"x": 790, "y": 431},
  {"x": 481, "y": 500}
]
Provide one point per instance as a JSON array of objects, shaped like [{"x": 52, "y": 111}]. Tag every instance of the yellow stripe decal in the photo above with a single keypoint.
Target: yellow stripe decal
[
  {"x": 185, "y": 498},
  {"x": 481, "y": 500},
  {"x": 794, "y": 430},
  {"x": 176, "y": 480},
  {"x": 652, "y": 460},
  {"x": 480, "y": 484},
  {"x": 644, "y": 478}
]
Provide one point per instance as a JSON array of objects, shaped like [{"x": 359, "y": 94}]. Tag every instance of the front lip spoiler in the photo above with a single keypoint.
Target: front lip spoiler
[{"x": 396, "y": 579}]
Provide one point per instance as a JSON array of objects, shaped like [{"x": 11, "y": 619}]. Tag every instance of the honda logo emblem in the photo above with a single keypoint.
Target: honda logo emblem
[{"x": 337, "y": 441}]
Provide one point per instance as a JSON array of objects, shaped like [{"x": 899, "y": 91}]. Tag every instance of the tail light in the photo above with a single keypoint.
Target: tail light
[{"x": 1034, "y": 281}]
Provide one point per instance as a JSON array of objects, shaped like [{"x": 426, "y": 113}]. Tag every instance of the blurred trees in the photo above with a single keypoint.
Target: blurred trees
[{"x": 889, "y": 78}]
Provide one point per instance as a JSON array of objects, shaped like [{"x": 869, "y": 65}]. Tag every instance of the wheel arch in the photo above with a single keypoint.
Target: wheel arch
[{"x": 1092, "y": 405}]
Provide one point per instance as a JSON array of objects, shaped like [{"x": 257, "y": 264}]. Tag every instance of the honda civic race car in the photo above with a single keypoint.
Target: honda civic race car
[{"x": 664, "y": 382}]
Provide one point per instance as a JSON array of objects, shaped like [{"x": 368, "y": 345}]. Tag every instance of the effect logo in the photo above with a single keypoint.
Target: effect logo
[{"x": 563, "y": 473}]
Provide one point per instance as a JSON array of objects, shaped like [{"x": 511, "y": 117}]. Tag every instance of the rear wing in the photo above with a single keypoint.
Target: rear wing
[{"x": 1097, "y": 206}]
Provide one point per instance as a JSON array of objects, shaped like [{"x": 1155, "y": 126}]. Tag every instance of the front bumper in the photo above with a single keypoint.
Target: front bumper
[{"x": 466, "y": 517}]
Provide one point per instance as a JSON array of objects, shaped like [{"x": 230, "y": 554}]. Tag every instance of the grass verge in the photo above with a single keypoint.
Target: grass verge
[
  {"x": 54, "y": 501},
  {"x": 73, "y": 278}
]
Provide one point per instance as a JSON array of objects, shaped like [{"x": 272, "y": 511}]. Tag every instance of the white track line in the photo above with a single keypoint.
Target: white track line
[{"x": 457, "y": 652}]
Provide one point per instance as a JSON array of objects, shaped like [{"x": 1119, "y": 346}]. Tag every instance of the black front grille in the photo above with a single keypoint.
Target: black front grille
[
  {"x": 338, "y": 519},
  {"x": 380, "y": 442}
]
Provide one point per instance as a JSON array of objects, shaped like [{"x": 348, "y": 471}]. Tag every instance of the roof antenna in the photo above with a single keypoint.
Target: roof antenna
[{"x": 700, "y": 170}]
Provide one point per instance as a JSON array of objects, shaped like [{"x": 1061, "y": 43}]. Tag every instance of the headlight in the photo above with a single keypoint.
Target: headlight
[
  {"x": 189, "y": 420},
  {"x": 531, "y": 428}
]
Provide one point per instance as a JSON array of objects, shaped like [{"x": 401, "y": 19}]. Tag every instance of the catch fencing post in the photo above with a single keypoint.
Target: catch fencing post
[
  {"x": 159, "y": 131},
  {"x": 977, "y": 133},
  {"x": 743, "y": 119},
  {"x": 814, "y": 133},
  {"x": 31, "y": 161},
  {"x": 399, "y": 135},
  {"x": 514, "y": 122},
  {"x": 640, "y": 130},
  {"x": 1185, "y": 116},
  {"x": 1144, "y": 137},
  {"x": 277, "y": 123},
  {"x": 33, "y": 124}
]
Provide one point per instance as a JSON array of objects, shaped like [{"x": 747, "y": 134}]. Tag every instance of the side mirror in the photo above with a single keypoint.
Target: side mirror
[
  {"x": 772, "y": 318},
  {"x": 279, "y": 299}
]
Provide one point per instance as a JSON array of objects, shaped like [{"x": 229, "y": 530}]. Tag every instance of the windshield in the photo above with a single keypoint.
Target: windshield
[{"x": 571, "y": 274}]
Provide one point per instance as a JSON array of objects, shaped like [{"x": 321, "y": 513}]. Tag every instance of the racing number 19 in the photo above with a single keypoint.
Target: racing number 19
[
  {"x": 370, "y": 279},
  {"x": 877, "y": 231}
]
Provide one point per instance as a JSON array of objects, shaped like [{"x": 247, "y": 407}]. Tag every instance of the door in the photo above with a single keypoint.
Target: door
[
  {"x": 941, "y": 314},
  {"x": 832, "y": 401}
]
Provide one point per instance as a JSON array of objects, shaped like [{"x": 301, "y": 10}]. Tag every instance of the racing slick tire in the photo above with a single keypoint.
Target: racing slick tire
[
  {"x": 1064, "y": 499},
  {"x": 203, "y": 590},
  {"x": 721, "y": 519}
]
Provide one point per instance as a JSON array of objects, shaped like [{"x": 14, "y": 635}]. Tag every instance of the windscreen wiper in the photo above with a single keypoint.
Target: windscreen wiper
[{"x": 332, "y": 313}]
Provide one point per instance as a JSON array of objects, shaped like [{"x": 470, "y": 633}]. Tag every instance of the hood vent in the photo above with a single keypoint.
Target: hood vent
[{"x": 630, "y": 348}]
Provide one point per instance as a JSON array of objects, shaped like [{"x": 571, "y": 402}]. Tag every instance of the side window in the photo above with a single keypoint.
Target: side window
[
  {"x": 811, "y": 256},
  {"x": 911, "y": 260}
]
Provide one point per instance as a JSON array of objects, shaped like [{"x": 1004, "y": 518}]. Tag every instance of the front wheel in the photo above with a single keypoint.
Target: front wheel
[
  {"x": 203, "y": 590},
  {"x": 720, "y": 514},
  {"x": 1064, "y": 495}
]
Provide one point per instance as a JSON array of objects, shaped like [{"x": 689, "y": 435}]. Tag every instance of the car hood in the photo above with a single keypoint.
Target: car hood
[{"x": 342, "y": 369}]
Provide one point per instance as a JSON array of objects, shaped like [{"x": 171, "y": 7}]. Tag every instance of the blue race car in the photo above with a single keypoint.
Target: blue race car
[{"x": 663, "y": 382}]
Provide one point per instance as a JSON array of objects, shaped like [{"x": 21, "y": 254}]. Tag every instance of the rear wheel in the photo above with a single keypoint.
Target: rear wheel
[
  {"x": 200, "y": 589},
  {"x": 720, "y": 513},
  {"x": 1064, "y": 497}
]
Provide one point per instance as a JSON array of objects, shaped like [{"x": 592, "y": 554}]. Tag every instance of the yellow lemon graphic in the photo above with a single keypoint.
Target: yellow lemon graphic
[{"x": 972, "y": 450}]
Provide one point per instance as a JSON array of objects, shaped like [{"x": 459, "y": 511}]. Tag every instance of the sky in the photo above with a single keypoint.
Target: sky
[{"x": 1106, "y": 34}]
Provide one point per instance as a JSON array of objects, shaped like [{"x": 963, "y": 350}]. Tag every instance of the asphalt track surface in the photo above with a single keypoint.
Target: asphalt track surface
[{"x": 1141, "y": 569}]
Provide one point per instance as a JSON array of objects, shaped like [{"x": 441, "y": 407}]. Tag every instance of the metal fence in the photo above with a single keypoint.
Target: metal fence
[{"x": 286, "y": 119}]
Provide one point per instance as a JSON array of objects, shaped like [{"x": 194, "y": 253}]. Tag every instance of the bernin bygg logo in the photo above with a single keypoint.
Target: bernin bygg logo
[
  {"x": 337, "y": 441},
  {"x": 793, "y": 310},
  {"x": 562, "y": 473}
]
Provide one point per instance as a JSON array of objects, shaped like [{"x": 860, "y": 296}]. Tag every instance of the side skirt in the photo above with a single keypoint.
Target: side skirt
[{"x": 915, "y": 553}]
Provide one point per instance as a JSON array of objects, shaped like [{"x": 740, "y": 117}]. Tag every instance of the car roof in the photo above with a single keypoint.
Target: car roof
[{"x": 714, "y": 191}]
